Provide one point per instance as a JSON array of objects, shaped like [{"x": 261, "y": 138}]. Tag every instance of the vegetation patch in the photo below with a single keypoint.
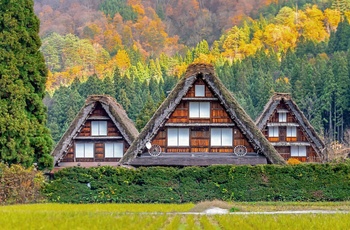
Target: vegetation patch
[{"x": 303, "y": 182}]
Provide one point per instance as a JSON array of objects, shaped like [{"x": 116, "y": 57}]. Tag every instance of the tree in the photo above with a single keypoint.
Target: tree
[{"x": 24, "y": 138}]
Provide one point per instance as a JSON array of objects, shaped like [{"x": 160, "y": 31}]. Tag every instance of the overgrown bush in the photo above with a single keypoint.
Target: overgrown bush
[
  {"x": 19, "y": 185},
  {"x": 303, "y": 182}
]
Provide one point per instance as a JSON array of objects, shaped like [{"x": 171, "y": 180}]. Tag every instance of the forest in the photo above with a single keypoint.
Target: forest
[{"x": 137, "y": 50}]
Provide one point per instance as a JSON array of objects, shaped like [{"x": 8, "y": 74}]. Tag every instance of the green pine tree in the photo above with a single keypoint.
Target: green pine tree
[{"x": 24, "y": 137}]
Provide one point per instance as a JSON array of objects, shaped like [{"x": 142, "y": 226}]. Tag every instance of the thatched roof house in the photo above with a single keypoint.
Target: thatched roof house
[
  {"x": 99, "y": 135},
  {"x": 289, "y": 131},
  {"x": 200, "y": 123}
]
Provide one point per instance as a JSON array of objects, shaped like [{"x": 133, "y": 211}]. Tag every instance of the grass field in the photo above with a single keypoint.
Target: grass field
[{"x": 166, "y": 216}]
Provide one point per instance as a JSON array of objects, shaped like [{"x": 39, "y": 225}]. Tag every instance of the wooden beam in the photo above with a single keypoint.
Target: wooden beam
[
  {"x": 200, "y": 99},
  {"x": 283, "y": 143},
  {"x": 200, "y": 124},
  {"x": 99, "y": 138},
  {"x": 289, "y": 124}
]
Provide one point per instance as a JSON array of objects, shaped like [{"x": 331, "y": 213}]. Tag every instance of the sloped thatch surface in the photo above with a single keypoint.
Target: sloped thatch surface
[
  {"x": 238, "y": 115},
  {"x": 310, "y": 132},
  {"x": 114, "y": 110}
]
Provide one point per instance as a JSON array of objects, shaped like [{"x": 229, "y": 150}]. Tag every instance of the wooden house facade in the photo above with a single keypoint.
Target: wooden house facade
[
  {"x": 99, "y": 135},
  {"x": 288, "y": 130},
  {"x": 200, "y": 123}
]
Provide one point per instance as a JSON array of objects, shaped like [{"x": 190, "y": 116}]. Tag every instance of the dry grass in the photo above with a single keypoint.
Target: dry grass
[{"x": 204, "y": 205}]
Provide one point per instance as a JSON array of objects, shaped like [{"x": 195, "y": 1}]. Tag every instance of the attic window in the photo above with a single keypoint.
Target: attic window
[
  {"x": 199, "y": 109},
  {"x": 282, "y": 117},
  {"x": 199, "y": 91},
  {"x": 114, "y": 149},
  {"x": 84, "y": 150},
  {"x": 98, "y": 128},
  {"x": 292, "y": 131},
  {"x": 178, "y": 137},
  {"x": 273, "y": 131},
  {"x": 221, "y": 137},
  {"x": 298, "y": 151}
]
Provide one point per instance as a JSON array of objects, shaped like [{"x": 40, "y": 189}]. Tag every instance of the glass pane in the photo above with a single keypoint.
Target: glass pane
[
  {"x": 109, "y": 150},
  {"x": 302, "y": 151},
  {"x": 294, "y": 151},
  {"x": 118, "y": 149},
  {"x": 205, "y": 110},
  {"x": 273, "y": 131},
  {"x": 184, "y": 137},
  {"x": 215, "y": 137},
  {"x": 172, "y": 137},
  {"x": 94, "y": 128},
  {"x": 194, "y": 109},
  {"x": 291, "y": 131},
  {"x": 89, "y": 150},
  {"x": 79, "y": 150},
  {"x": 226, "y": 137},
  {"x": 282, "y": 117},
  {"x": 103, "y": 128},
  {"x": 199, "y": 91}
]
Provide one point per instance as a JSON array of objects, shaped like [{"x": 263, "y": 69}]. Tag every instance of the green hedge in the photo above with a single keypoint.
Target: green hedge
[{"x": 304, "y": 182}]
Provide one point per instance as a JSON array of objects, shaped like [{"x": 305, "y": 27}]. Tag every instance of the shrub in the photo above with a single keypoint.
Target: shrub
[
  {"x": 19, "y": 185},
  {"x": 303, "y": 182}
]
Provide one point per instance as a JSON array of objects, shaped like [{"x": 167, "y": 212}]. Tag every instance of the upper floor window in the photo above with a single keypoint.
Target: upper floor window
[
  {"x": 298, "y": 151},
  {"x": 199, "y": 109},
  {"x": 199, "y": 90},
  {"x": 114, "y": 149},
  {"x": 292, "y": 131},
  {"x": 98, "y": 128},
  {"x": 84, "y": 150},
  {"x": 273, "y": 131},
  {"x": 178, "y": 137},
  {"x": 282, "y": 117},
  {"x": 221, "y": 137}
]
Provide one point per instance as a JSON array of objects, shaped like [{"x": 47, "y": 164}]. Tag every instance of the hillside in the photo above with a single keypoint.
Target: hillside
[{"x": 136, "y": 51}]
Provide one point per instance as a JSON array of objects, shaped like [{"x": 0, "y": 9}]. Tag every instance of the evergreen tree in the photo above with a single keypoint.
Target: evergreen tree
[
  {"x": 24, "y": 138},
  {"x": 340, "y": 40},
  {"x": 65, "y": 105},
  {"x": 146, "y": 113}
]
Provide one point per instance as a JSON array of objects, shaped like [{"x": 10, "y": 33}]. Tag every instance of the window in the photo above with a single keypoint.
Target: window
[
  {"x": 84, "y": 150},
  {"x": 273, "y": 131},
  {"x": 298, "y": 151},
  {"x": 199, "y": 109},
  {"x": 114, "y": 149},
  {"x": 221, "y": 137},
  {"x": 98, "y": 128},
  {"x": 178, "y": 137},
  {"x": 282, "y": 117},
  {"x": 291, "y": 131},
  {"x": 199, "y": 90}
]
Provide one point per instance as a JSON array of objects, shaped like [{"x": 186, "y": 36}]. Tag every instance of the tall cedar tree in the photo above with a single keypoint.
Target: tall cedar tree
[{"x": 24, "y": 138}]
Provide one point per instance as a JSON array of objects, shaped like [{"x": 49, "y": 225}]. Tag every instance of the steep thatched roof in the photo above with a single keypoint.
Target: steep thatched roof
[
  {"x": 237, "y": 114},
  {"x": 310, "y": 132},
  {"x": 115, "y": 112}
]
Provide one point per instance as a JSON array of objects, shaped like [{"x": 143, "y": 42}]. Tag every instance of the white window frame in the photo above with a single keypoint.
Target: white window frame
[
  {"x": 84, "y": 150},
  {"x": 273, "y": 131},
  {"x": 115, "y": 147},
  {"x": 199, "y": 90},
  {"x": 221, "y": 141},
  {"x": 203, "y": 110},
  {"x": 291, "y": 131},
  {"x": 282, "y": 117},
  {"x": 99, "y": 128},
  {"x": 298, "y": 151},
  {"x": 181, "y": 139}
]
